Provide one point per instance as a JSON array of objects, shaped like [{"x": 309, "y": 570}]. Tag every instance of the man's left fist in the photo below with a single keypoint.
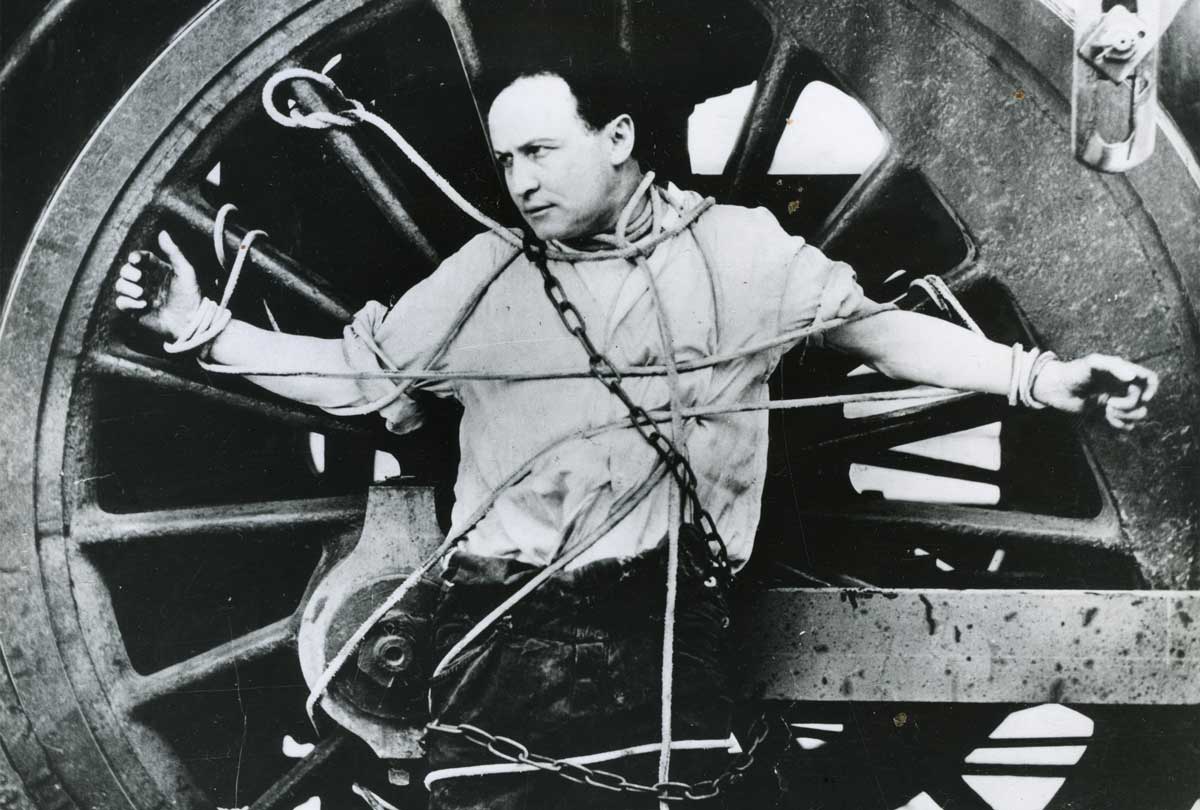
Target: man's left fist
[{"x": 1118, "y": 386}]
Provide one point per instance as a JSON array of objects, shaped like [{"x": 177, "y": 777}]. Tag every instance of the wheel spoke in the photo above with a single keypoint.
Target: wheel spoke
[
  {"x": 869, "y": 189},
  {"x": 281, "y": 269},
  {"x": 776, "y": 91},
  {"x": 463, "y": 31},
  {"x": 964, "y": 524},
  {"x": 385, "y": 189},
  {"x": 128, "y": 365},
  {"x": 886, "y": 430},
  {"x": 909, "y": 462},
  {"x": 94, "y": 526},
  {"x": 625, "y": 27},
  {"x": 287, "y": 790},
  {"x": 191, "y": 673}
]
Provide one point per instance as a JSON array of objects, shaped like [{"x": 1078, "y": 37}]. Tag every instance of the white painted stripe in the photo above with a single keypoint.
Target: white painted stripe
[
  {"x": 922, "y": 801},
  {"x": 905, "y": 485},
  {"x": 1015, "y": 792},
  {"x": 996, "y": 561},
  {"x": 1040, "y": 722},
  {"x": 982, "y": 451},
  {"x": 861, "y": 410},
  {"x": 809, "y": 743},
  {"x": 1028, "y": 755},
  {"x": 820, "y": 726}
]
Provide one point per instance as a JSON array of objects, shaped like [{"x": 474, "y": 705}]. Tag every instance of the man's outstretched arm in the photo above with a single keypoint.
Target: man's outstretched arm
[
  {"x": 239, "y": 344},
  {"x": 918, "y": 348}
]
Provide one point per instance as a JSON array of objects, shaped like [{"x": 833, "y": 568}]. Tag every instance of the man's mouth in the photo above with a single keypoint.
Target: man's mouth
[{"x": 537, "y": 209}]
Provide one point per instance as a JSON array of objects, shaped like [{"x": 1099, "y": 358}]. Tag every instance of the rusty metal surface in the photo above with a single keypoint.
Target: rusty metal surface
[
  {"x": 59, "y": 699},
  {"x": 975, "y": 646},
  {"x": 12, "y": 791},
  {"x": 1081, "y": 252},
  {"x": 62, "y": 661}
]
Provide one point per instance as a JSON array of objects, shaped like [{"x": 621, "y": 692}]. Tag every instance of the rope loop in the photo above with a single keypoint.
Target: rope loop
[{"x": 316, "y": 119}]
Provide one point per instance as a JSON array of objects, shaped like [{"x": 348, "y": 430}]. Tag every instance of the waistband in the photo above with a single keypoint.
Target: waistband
[{"x": 490, "y": 579}]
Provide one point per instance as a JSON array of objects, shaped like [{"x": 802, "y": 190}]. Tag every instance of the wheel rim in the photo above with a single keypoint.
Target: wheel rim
[{"x": 74, "y": 677}]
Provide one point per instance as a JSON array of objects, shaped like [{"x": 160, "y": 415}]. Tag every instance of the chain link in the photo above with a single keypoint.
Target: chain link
[
  {"x": 509, "y": 749},
  {"x": 606, "y": 373}
]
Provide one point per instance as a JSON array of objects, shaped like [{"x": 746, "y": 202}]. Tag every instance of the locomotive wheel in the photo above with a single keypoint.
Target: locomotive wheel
[{"x": 128, "y": 690}]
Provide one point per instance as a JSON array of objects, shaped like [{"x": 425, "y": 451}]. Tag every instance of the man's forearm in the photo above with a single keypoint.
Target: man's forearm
[
  {"x": 918, "y": 348},
  {"x": 241, "y": 344}
]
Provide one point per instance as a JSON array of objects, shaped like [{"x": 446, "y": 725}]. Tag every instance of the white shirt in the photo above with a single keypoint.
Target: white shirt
[{"x": 733, "y": 279}]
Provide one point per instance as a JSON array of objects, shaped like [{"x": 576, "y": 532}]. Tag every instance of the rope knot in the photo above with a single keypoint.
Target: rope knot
[{"x": 315, "y": 119}]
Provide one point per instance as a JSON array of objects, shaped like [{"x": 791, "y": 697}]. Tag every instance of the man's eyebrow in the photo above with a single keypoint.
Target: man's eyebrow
[{"x": 529, "y": 144}]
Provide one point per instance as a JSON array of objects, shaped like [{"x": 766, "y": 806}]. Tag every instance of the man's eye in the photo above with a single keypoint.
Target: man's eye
[{"x": 505, "y": 161}]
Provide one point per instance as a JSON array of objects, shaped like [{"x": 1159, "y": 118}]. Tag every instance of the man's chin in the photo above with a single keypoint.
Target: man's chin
[{"x": 548, "y": 230}]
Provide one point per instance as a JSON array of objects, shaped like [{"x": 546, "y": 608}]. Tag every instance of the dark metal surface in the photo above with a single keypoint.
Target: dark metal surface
[
  {"x": 381, "y": 186},
  {"x": 941, "y": 78},
  {"x": 1094, "y": 260},
  {"x": 282, "y": 270}
]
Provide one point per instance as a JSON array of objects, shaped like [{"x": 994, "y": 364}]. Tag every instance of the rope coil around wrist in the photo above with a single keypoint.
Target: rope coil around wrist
[
  {"x": 211, "y": 317},
  {"x": 1026, "y": 366}
]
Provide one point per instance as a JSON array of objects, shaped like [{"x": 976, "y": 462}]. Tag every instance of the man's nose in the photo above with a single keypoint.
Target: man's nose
[{"x": 522, "y": 179}]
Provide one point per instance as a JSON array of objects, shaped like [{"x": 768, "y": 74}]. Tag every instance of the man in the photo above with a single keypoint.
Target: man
[{"x": 574, "y": 669}]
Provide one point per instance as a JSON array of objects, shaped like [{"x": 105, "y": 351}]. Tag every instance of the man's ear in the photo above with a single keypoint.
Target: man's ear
[{"x": 620, "y": 133}]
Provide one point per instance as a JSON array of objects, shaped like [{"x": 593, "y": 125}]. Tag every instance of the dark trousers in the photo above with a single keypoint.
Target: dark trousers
[{"x": 575, "y": 669}]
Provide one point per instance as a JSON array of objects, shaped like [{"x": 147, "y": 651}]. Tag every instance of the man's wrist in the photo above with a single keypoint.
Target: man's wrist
[
  {"x": 1048, "y": 384},
  {"x": 207, "y": 352}
]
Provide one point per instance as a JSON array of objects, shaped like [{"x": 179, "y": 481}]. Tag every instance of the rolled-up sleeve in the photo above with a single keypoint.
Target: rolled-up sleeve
[
  {"x": 402, "y": 414},
  {"x": 808, "y": 272},
  {"x": 413, "y": 336}
]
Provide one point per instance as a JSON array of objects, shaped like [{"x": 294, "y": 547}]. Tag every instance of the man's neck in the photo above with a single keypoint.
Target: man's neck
[
  {"x": 602, "y": 237},
  {"x": 629, "y": 184}
]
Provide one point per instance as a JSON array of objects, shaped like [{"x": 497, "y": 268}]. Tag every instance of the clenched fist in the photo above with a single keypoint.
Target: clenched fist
[
  {"x": 167, "y": 296},
  {"x": 1122, "y": 388}
]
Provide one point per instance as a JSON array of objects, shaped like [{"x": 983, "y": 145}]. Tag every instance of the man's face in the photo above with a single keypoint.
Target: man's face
[{"x": 560, "y": 173}]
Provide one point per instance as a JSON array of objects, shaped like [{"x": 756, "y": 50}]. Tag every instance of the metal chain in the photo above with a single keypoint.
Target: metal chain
[
  {"x": 606, "y": 373},
  {"x": 509, "y": 749}
]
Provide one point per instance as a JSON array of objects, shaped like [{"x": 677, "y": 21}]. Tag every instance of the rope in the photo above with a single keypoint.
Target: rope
[
  {"x": 729, "y": 744},
  {"x": 939, "y": 292},
  {"x": 205, "y": 327},
  {"x": 211, "y": 317},
  {"x": 674, "y": 496},
  {"x": 356, "y": 113},
  {"x": 655, "y": 370}
]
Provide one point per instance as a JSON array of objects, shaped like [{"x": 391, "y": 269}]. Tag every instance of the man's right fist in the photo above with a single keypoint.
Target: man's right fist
[{"x": 167, "y": 295}]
